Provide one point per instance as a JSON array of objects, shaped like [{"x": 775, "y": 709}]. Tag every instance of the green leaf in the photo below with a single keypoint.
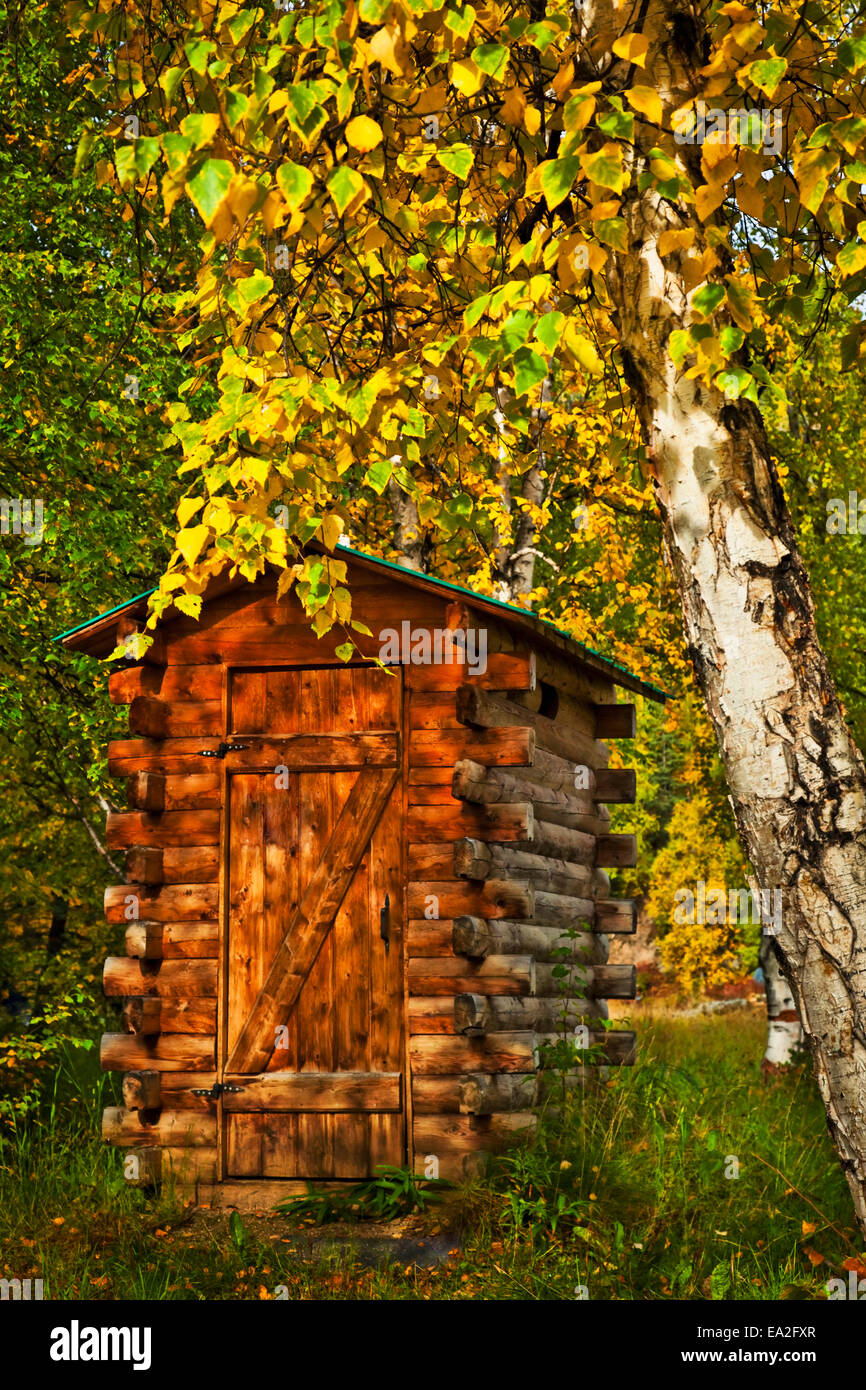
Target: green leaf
[
  {"x": 556, "y": 177},
  {"x": 295, "y": 183},
  {"x": 345, "y": 651},
  {"x": 852, "y": 54},
  {"x": 680, "y": 345},
  {"x": 209, "y": 186},
  {"x": 457, "y": 159},
  {"x": 254, "y": 287},
  {"x": 549, "y": 329},
  {"x": 240, "y": 24},
  {"x": 530, "y": 369},
  {"x": 707, "y": 300},
  {"x": 177, "y": 149},
  {"x": 305, "y": 115},
  {"x": 345, "y": 185},
  {"x": 491, "y": 58},
  {"x": 198, "y": 52},
  {"x": 378, "y": 475},
  {"x": 731, "y": 339},
  {"x": 852, "y": 258},
  {"x": 612, "y": 232},
  {"x": 736, "y": 382},
  {"x": 767, "y": 73}
]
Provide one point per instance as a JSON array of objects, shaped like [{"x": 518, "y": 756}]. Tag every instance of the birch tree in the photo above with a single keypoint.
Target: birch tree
[{"x": 419, "y": 219}]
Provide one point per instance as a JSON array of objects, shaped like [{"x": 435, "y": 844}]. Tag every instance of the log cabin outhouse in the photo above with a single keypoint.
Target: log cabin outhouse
[{"x": 347, "y": 884}]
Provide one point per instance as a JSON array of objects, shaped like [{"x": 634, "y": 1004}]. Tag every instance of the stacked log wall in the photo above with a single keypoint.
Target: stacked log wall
[
  {"x": 505, "y": 854},
  {"x": 167, "y": 980}
]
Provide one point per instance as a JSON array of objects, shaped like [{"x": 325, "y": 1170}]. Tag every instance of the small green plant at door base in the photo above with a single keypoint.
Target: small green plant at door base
[{"x": 392, "y": 1192}]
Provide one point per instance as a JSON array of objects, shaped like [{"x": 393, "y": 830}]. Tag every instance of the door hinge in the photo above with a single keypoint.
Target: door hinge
[
  {"x": 221, "y": 751},
  {"x": 217, "y": 1089}
]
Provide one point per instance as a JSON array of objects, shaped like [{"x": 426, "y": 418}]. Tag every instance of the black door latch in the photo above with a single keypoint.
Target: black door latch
[
  {"x": 221, "y": 751},
  {"x": 216, "y": 1090},
  {"x": 383, "y": 923}
]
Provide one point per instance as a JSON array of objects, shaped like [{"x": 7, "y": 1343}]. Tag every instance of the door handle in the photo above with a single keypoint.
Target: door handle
[{"x": 383, "y": 923}]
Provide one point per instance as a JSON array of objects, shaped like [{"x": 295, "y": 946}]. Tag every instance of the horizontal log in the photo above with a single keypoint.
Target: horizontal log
[
  {"x": 172, "y": 757},
  {"x": 453, "y": 898},
  {"x": 179, "y": 1129},
  {"x": 617, "y": 1048},
  {"x": 580, "y": 682},
  {"x": 150, "y": 1014},
  {"x": 492, "y": 785},
  {"x": 167, "y": 1052},
  {"x": 614, "y": 916},
  {"x": 170, "y": 940},
  {"x": 505, "y": 822},
  {"x": 475, "y": 860},
  {"x": 142, "y": 1090},
  {"x": 314, "y": 1091},
  {"x": 429, "y": 938},
  {"x": 475, "y": 1014},
  {"x": 169, "y": 683},
  {"x": 145, "y": 791},
  {"x": 501, "y": 747},
  {"x": 556, "y": 704},
  {"x": 153, "y": 718},
  {"x": 142, "y": 1167},
  {"x": 481, "y": 1094},
  {"x": 504, "y": 671},
  {"x": 559, "y": 842},
  {"x": 158, "y": 791},
  {"x": 436, "y": 1095},
  {"x": 127, "y": 828},
  {"x": 616, "y": 785},
  {"x": 141, "y": 1015},
  {"x": 477, "y": 938},
  {"x": 452, "y": 1135},
  {"x": 615, "y": 721},
  {"x": 165, "y": 979},
  {"x": 147, "y": 864},
  {"x": 616, "y": 851},
  {"x": 495, "y": 1052},
  {"x": 431, "y": 1014},
  {"x": 562, "y": 910},
  {"x": 161, "y": 903},
  {"x": 484, "y": 710},
  {"x": 187, "y": 1167},
  {"x": 494, "y": 975},
  {"x": 572, "y": 775}
]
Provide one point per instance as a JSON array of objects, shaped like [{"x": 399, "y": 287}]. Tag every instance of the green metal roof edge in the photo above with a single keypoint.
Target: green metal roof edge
[
  {"x": 79, "y": 627},
  {"x": 428, "y": 579}
]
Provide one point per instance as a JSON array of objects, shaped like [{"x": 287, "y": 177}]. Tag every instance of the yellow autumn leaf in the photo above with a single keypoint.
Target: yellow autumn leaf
[
  {"x": 363, "y": 134},
  {"x": 708, "y": 197},
  {"x": 187, "y": 507},
  {"x": 632, "y": 47},
  {"x": 190, "y": 542},
  {"x": 532, "y": 120},
  {"x": 332, "y": 530},
  {"x": 675, "y": 240},
  {"x": 467, "y": 77},
  {"x": 647, "y": 101},
  {"x": 383, "y": 47}
]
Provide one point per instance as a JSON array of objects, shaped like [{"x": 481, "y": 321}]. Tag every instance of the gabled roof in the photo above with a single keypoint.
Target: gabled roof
[{"x": 96, "y": 635}]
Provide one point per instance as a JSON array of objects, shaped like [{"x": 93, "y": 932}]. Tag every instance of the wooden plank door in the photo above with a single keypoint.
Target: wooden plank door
[{"x": 313, "y": 1034}]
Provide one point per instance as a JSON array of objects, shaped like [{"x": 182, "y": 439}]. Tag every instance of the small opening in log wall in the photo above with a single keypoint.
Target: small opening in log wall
[{"x": 549, "y": 705}]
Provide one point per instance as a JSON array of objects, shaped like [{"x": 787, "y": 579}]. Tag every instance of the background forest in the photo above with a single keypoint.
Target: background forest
[{"x": 89, "y": 359}]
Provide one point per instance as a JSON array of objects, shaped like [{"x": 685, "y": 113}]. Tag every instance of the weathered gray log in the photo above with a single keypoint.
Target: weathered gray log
[
  {"x": 616, "y": 851},
  {"x": 476, "y": 860},
  {"x": 481, "y": 1094},
  {"x": 558, "y": 842},
  {"x": 142, "y": 1090},
  {"x": 616, "y": 916},
  {"x": 491, "y": 785},
  {"x": 553, "y": 703},
  {"x": 475, "y": 1014},
  {"x": 563, "y": 910},
  {"x": 478, "y": 938}
]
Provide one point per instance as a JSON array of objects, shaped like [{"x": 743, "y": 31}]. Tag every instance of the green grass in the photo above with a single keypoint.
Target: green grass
[{"x": 623, "y": 1192}]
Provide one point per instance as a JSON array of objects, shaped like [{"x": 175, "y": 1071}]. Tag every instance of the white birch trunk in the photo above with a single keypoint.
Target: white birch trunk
[{"x": 798, "y": 784}]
